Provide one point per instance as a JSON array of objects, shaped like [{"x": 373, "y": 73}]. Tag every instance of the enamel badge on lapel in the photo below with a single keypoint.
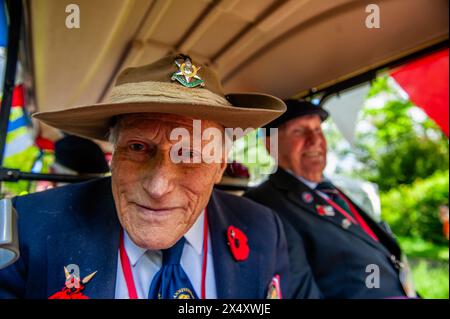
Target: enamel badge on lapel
[
  {"x": 307, "y": 197},
  {"x": 73, "y": 288},
  {"x": 238, "y": 243},
  {"x": 325, "y": 210},
  {"x": 187, "y": 74},
  {"x": 346, "y": 223},
  {"x": 274, "y": 291}
]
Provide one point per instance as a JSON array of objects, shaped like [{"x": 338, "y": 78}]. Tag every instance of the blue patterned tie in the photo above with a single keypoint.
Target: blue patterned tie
[{"x": 171, "y": 282}]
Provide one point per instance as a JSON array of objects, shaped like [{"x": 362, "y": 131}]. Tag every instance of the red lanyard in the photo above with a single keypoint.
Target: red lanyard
[
  {"x": 359, "y": 220},
  {"x": 128, "y": 274}
]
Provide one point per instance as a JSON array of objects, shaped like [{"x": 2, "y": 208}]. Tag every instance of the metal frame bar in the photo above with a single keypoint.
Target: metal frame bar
[
  {"x": 15, "y": 17},
  {"x": 14, "y": 175}
]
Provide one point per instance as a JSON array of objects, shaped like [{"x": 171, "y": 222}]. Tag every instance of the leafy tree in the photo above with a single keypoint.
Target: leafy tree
[
  {"x": 412, "y": 210},
  {"x": 401, "y": 148}
]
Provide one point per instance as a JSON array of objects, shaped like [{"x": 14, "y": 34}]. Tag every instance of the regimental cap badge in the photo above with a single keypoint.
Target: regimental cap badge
[{"x": 187, "y": 73}]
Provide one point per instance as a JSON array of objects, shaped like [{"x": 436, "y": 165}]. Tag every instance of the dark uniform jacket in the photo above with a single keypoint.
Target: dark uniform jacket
[
  {"x": 340, "y": 257},
  {"x": 78, "y": 224}
]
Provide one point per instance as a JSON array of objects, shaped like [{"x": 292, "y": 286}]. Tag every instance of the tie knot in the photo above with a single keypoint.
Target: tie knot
[
  {"x": 326, "y": 187},
  {"x": 172, "y": 255}
]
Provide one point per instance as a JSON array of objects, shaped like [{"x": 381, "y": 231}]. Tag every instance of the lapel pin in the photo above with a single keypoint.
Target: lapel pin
[
  {"x": 73, "y": 287},
  {"x": 329, "y": 211},
  {"x": 238, "y": 243},
  {"x": 325, "y": 210},
  {"x": 274, "y": 291},
  {"x": 307, "y": 197},
  {"x": 345, "y": 223},
  {"x": 320, "y": 210}
]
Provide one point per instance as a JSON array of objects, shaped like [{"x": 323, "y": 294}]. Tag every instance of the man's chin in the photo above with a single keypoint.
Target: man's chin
[
  {"x": 154, "y": 242},
  {"x": 317, "y": 165}
]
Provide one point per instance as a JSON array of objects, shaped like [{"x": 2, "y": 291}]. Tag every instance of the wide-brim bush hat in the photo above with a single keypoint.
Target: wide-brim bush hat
[{"x": 175, "y": 85}]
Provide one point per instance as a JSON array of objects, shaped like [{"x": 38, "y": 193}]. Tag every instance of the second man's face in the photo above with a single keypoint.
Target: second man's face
[{"x": 302, "y": 147}]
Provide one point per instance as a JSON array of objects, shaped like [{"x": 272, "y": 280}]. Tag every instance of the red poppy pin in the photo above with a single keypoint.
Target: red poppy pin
[
  {"x": 324, "y": 210},
  {"x": 238, "y": 243},
  {"x": 321, "y": 210},
  {"x": 73, "y": 288}
]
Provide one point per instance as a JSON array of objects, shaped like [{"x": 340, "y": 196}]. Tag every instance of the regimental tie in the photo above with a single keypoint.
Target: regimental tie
[
  {"x": 333, "y": 193},
  {"x": 171, "y": 282}
]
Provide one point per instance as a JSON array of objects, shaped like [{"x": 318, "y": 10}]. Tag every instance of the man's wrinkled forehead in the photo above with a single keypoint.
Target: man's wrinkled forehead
[
  {"x": 150, "y": 118},
  {"x": 303, "y": 121},
  {"x": 157, "y": 123}
]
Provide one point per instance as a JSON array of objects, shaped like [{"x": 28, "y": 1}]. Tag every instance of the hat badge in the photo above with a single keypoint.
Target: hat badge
[{"x": 187, "y": 74}]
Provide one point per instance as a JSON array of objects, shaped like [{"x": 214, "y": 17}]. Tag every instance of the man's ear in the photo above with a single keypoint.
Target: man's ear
[
  {"x": 220, "y": 171},
  {"x": 226, "y": 149}
]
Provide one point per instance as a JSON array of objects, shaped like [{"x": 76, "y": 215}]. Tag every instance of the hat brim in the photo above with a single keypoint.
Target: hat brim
[{"x": 248, "y": 110}]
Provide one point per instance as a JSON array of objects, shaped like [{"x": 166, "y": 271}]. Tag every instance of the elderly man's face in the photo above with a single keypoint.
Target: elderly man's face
[
  {"x": 157, "y": 200},
  {"x": 302, "y": 147}
]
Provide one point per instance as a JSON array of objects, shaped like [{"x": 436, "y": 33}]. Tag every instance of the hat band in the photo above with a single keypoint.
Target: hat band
[{"x": 162, "y": 92}]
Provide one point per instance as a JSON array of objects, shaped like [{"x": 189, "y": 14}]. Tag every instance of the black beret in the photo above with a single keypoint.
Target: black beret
[
  {"x": 297, "y": 108},
  {"x": 80, "y": 155}
]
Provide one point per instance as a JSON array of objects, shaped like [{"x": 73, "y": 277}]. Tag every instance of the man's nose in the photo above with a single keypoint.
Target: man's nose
[
  {"x": 158, "y": 180},
  {"x": 312, "y": 138}
]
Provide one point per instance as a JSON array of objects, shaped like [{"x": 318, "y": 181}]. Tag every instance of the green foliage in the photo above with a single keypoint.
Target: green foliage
[
  {"x": 429, "y": 265},
  {"x": 430, "y": 278},
  {"x": 251, "y": 151},
  {"x": 412, "y": 210},
  {"x": 400, "y": 149},
  {"x": 416, "y": 247}
]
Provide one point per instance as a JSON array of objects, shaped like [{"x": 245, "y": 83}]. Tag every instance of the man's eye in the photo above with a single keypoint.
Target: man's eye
[
  {"x": 137, "y": 147},
  {"x": 188, "y": 153}
]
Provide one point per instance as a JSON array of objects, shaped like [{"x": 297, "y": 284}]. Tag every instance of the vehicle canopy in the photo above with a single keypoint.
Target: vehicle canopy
[{"x": 284, "y": 48}]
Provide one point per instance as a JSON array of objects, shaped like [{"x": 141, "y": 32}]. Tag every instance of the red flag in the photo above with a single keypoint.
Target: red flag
[{"x": 426, "y": 82}]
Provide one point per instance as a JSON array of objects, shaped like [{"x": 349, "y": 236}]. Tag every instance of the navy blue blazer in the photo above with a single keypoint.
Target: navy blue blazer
[
  {"x": 78, "y": 224},
  {"x": 336, "y": 256}
]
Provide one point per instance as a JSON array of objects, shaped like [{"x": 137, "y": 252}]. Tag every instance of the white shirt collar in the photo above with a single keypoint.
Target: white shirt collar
[
  {"x": 194, "y": 237},
  {"x": 308, "y": 183}
]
